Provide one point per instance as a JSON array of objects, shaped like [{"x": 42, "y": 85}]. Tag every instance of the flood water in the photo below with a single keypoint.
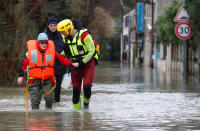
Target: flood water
[{"x": 124, "y": 99}]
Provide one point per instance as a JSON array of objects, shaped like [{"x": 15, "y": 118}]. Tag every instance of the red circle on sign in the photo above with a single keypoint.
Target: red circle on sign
[{"x": 183, "y": 30}]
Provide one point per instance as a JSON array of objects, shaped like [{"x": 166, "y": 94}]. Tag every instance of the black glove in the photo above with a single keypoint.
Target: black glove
[{"x": 81, "y": 63}]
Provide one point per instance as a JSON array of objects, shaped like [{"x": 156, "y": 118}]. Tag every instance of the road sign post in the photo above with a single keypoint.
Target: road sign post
[{"x": 183, "y": 31}]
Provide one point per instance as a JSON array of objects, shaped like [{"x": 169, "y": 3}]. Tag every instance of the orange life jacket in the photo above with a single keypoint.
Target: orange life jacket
[{"x": 41, "y": 66}]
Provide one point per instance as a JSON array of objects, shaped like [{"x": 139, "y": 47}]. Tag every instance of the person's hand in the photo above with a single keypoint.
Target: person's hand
[
  {"x": 20, "y": 80},
  {"x": 76, "y": 64}
]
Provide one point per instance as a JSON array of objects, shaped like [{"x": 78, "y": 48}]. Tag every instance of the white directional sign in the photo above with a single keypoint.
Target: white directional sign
[
  {"x": 182, "y": 15},
  {"x": 183, "y": 30}
]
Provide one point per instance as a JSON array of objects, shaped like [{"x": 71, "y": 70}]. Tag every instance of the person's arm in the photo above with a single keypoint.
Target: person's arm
[
  {"x": 88, "y": 42},
  {"x": 66, "y": 52},
  {"x": 22, "y": 66},
  {"x": 63, "y": 60},
  {"x": 21, "y": 69}
]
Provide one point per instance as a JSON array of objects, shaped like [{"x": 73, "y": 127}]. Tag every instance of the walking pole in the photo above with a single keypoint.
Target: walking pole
[
  {"x": 26, "y": 116},
  {"x": 27, "y": 95}
]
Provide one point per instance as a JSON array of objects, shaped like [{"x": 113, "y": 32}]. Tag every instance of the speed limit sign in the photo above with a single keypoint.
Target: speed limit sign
[{"x": 183, "y": 30}]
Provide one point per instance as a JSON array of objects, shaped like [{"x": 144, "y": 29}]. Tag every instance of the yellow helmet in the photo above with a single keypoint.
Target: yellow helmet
[{"x": 66, "y": 26}]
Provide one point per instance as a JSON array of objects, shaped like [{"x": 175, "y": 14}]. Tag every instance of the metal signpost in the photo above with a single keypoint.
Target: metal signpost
[{"x": 183, "y": 31}]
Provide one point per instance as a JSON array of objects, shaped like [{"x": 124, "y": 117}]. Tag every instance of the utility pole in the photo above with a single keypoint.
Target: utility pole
[
  {"x": 155, "y": 36},
  {"x": 152, "y": 22},
  {"x": 185, "y": 66}
]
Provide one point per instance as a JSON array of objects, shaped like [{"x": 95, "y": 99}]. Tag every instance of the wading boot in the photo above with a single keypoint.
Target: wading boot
[
  {"x": 78, "y": 105},
  {"x": 48, "y": 105},
  {"x": 34, "y": 107},
  {"x": 85, "y": 102},
  {"x": 86, "y": 105}
]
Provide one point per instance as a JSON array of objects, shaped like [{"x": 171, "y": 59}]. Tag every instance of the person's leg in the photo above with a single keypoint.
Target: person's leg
[
  {"x": 35, "y": 94},
  {"x": 47, "y": 86},
  {"x": 57, "y": 90},
  {"x": 76, "y": 77},
  {"x": 88, "y": 76}
]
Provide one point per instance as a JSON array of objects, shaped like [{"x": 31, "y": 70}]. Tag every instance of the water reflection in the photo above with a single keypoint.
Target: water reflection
[
  {"x": 83, "y": 121},
  {"x": 41, "y": 121},
  {"x": 57, "y": 121}
]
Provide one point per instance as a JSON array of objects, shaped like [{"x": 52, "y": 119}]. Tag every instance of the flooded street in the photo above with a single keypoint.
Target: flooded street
[{"x": 123, "y": 98}]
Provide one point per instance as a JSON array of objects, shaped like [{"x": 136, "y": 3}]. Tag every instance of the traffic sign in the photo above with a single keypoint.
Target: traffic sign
[
  {"x": 183, "y": 30},
  {"x": 182, "y": 15}
]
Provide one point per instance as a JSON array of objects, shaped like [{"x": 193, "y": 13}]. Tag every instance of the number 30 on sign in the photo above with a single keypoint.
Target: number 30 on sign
[{"x": 183, "y": 30}]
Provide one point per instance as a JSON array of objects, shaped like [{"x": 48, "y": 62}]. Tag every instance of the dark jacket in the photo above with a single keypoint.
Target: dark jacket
[{"x": 59, "y": 47}]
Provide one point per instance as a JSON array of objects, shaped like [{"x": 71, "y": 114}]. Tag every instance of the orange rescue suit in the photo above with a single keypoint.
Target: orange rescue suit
[{"x": 41, "y": 66}]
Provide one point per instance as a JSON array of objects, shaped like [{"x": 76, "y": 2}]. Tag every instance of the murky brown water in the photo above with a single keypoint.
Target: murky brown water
[{"x": 124, "y": 98}]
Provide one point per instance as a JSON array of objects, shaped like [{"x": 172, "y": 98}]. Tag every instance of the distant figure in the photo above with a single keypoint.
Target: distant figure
[
  {"x": 40, "y": 60},
  {"x": 60, "y": 69},
  {"x": 81, "y": 48}
]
